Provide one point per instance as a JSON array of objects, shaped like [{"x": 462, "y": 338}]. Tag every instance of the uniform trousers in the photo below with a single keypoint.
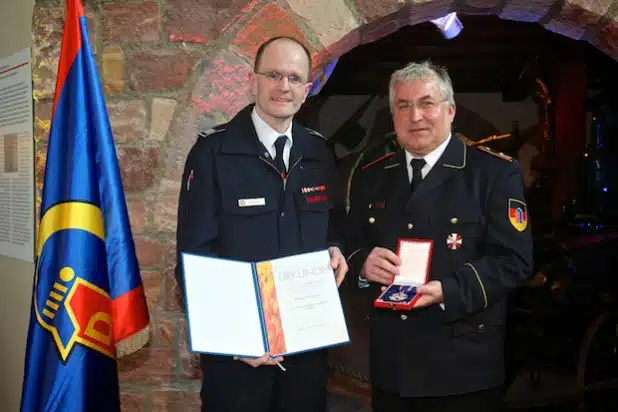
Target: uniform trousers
[
  {"x": 234, "y": 386},
  {"x": 489, "y": 400}
]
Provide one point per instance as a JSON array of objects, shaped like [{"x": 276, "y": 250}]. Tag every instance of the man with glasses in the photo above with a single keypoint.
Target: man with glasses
[
  {"x": 446, "y": 353},
  {"x": 257, "y": 188}
]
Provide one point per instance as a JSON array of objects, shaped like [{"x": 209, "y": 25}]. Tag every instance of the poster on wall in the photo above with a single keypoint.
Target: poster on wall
[{"x": 16, "y": 157}]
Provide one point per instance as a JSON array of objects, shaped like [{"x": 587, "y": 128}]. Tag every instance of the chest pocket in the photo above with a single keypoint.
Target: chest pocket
[
  {"x": 314, "y": 202},
  {"x": 248, "y": 226}
]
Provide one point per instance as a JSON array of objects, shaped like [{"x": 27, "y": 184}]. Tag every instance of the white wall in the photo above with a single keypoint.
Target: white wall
[{"x": 15, "y": 276}]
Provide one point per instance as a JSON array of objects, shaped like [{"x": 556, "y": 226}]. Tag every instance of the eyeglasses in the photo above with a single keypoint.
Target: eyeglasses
[
  {"x": 273, "y": 76},
  {"x": 427, "y": 106}
]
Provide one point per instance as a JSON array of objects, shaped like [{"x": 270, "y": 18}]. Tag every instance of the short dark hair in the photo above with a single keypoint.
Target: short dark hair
[{"x": 260, "y": 52}]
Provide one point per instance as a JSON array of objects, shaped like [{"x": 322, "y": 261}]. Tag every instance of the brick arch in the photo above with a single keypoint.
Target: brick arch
[{"x": 221, "y": 89}]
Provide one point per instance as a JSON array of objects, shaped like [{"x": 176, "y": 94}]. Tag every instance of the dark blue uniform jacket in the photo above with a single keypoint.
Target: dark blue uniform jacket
[{"x": 471, "y": 205}]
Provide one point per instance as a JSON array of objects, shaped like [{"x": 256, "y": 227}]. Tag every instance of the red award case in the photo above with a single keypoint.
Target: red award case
[{"x": 415, "y": 255}]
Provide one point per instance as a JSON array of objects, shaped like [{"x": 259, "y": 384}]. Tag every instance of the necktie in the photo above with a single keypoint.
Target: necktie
[
  {"x": 417, "y": 176},
  {"x": 279, "y": 163}
]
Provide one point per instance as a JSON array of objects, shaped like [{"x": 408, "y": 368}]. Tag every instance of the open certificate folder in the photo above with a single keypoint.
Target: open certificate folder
[{"x": 282, "y": 306}]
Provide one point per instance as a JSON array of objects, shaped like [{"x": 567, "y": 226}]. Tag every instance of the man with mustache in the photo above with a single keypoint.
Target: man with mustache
[
  {"x": 446, "y": 353},
  {"x": 257, "y": 188}
]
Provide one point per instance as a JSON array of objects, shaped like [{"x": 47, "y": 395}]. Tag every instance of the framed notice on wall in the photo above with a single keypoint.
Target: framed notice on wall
[{"x": 16, "y": 157}]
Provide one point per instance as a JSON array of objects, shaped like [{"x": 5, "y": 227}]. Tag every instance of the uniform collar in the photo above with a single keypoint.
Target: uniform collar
[
  {"x": 266, "y": 134},
  {"x": 432, "y": 157},
  {"x": 242, "y": 138}
]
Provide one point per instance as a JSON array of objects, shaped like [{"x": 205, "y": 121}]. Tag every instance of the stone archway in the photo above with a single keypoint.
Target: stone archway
[{"x": 172, "y": 68}]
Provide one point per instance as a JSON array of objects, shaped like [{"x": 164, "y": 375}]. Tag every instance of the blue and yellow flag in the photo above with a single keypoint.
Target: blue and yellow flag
[{"x": 88, "y": 305}]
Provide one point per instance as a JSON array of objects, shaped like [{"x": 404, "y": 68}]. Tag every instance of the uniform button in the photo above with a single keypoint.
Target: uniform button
[
  {"x": 372, "y": 219},
  {"x": 370, "y": 205},
  {"x": 454, "y": 220},
  {"x": 403, "y": 317},
  {"x": 282, "y": 214},
  {"x": 410, "y": 226}
]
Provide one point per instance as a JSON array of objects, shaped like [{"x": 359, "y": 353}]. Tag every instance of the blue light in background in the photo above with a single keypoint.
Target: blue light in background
[
  {"x": 319, "y": 83},
  {"x": 449, "y": 25}
]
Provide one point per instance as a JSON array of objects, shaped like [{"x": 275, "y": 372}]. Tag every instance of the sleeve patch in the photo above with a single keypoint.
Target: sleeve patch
[{"x": 518, "y": 214}]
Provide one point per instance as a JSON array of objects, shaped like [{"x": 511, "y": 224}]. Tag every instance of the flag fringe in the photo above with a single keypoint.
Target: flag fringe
[{"x": 133, "y": 343}]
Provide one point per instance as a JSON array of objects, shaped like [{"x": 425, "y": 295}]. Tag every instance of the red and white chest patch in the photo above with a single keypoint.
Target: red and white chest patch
[{"x": 454, "y": 241}]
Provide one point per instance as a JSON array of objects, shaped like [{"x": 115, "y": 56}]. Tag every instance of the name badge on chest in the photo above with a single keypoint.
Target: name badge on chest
[{"x": 258, "y": 201}]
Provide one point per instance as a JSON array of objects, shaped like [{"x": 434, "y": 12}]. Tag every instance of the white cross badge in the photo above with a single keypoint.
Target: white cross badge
[{"x": 453, "y": 241}]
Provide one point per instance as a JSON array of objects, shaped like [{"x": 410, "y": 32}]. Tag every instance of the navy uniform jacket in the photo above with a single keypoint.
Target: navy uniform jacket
[
  {"x": 234, "y": 203},
  {"x": 469, "y": 194}
]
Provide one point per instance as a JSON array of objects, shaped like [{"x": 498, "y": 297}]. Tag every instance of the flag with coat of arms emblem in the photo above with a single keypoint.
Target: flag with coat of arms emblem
[{"x": 88, "y": 304}]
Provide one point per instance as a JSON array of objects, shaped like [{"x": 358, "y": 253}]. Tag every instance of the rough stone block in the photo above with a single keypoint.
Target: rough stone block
[
  {"x": 195, "y": 21},
  {"x": 151, "y": 281},
  {"x": 132, "y": 402},
  {"x": 329, "y": 27},
  {"x": 167, "y": 204},
  {"x": 137, "y": 215},
  {"x": 162, "y": 113},
  {"x": 166, "y": 332},
  {"x": 190, "y": 361},
  {"x": 113, "y": 70},
  {"x": 128, "y": 120},
  {"x": 373, "y": 10},
  {"x": 131, "y": 21},
  {"x": 148, "y": 366},
  {"x": 345, "y": 44},
  {"x": 42, "y": 119},
  {"x": 223, "y": 86},
  {"x": 149, "y": 252},
  {"x": 160, "y": 70},
  {"x": 526, "y": 10},
  {"x": 422, "y": 11},
  {"x": 577, "y": 15},
  {"x": 270, "y": 21},
  {"x": 47, "y": 29},
  {"x": 173, "y": 298},
  {"x": 137, "y": 167},
  {"x": 175, "y": 401},
  {"x": 40, "y": 159},
  {"x": 608, "y": 38}
]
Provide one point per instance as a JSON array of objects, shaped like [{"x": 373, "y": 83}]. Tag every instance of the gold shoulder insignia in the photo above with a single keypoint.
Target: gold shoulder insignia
[
  {"x": 313, "y": 132},
  {"x": 378, "y": 160},
  {"x": 210, "y": 132},
  {"x": 499, "y": 155}
]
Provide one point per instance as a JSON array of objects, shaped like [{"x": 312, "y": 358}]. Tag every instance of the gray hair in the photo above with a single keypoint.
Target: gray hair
[{"x": 422, "y": 71}]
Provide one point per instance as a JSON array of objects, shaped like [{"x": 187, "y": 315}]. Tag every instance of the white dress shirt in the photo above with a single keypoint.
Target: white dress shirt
[
  {"x": 268, "y": 136},
  {"x": 431, "y": 159}
]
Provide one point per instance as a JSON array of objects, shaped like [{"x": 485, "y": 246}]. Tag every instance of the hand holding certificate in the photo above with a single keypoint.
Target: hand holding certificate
[
  {"x": 280, "y": 307},
  {"x": 415, "y": 255}
]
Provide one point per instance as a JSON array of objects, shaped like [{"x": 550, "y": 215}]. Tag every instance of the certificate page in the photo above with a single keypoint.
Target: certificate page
[
  {"x": 301, "y": 303},
  {"x": 222, "y": 307},
  {"x": 415, "y": 259}
]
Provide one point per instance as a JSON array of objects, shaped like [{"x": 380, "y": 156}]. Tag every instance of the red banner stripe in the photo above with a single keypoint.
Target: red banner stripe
[
  {"x": 129, "y": 313},
  {"x": 71, "y": 43}
]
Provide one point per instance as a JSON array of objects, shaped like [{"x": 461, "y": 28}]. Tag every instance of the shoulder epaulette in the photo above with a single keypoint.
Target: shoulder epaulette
[
  {"x": 499, "y": 155},
  {"x": 210, "y": 132},
  {"x": 313, "y": 132},
  {"x": 378, "y": 160}
]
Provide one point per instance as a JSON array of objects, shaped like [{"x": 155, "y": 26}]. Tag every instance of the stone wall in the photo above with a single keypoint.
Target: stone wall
[{"x": 171, "y": 67}]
